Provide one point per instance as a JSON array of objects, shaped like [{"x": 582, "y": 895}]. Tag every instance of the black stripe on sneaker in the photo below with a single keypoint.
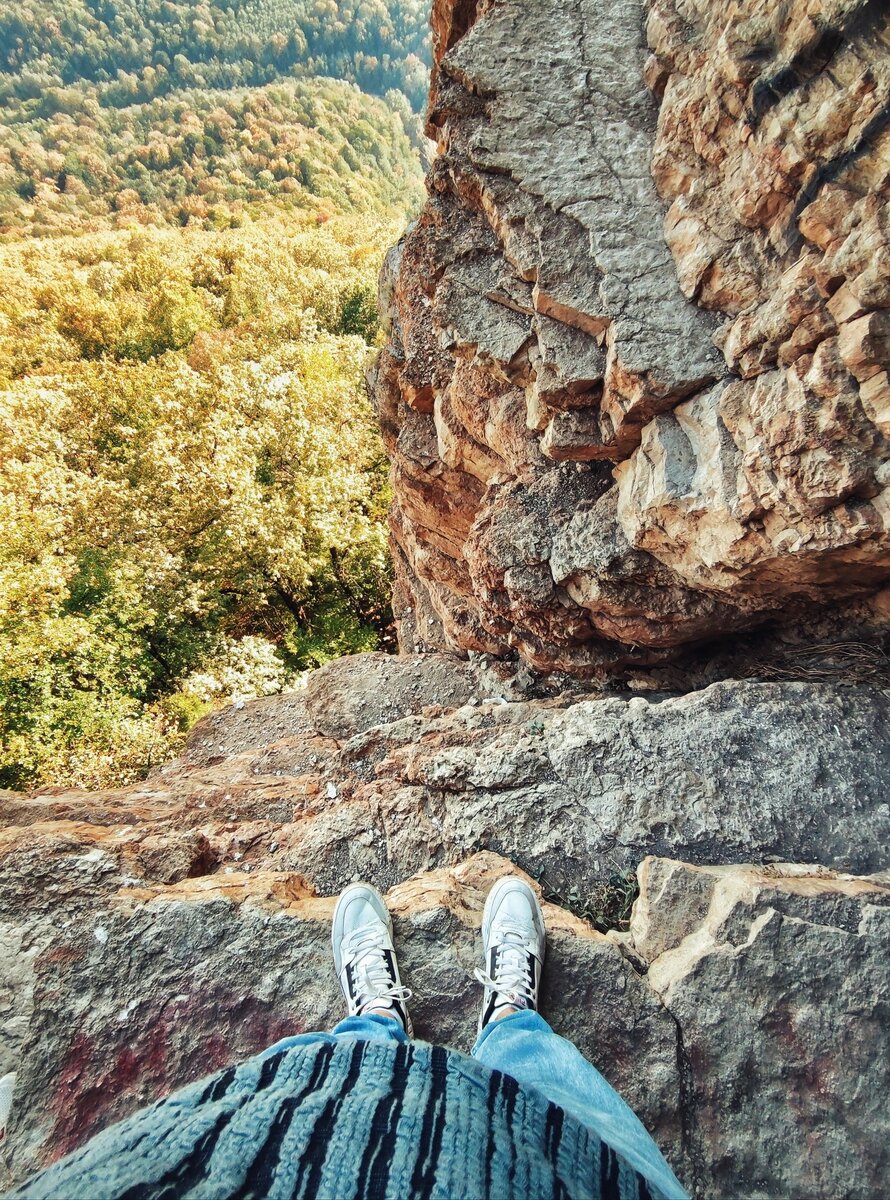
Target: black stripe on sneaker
[
  {"x": 390, "y": 957},
  {"x": 536, "y": 982},
  {"x": 350, "y": 984},
  {"x": 488, "y": 1011}
]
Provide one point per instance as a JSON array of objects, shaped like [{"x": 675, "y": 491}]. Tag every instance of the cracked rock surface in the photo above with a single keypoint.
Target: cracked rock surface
[
  {"x": 635, "y": 395},
  {"x": 635, "y": 390},
  {"x": 153, "y": 934}
]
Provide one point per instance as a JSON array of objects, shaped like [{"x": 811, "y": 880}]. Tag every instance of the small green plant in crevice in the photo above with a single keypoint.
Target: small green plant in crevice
[{"x": 606, "y": 903}]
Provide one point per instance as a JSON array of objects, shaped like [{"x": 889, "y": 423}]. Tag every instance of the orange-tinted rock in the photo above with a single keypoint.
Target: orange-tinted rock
[{"x": 600, "y": 220}]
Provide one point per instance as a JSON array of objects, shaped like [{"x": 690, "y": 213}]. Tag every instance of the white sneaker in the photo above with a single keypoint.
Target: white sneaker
[
  {"x": 514, "y": 943},
  {"x": 364, "y": 956}
]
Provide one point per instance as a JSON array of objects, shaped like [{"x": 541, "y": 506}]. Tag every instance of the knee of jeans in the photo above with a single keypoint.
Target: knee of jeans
[
  {"x": 371, "y": 1028},
  {"x": 506, "y": 1028}
]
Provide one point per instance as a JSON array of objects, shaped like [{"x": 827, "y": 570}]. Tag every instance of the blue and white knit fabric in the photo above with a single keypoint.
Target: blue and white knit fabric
[{"x": 346, "y": 1119}]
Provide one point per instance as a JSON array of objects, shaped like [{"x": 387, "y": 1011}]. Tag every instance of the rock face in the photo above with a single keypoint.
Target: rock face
[
  {"x": 151, "y": 935},
  {"x": 792, "y": 952},
  {"x": 635, "y": 394},
  {"x": 635, "y": 390},
  {"x": 573, "y": 788}
]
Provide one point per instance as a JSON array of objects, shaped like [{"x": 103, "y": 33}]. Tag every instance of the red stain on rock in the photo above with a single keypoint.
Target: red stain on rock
[
  {"x": 128, "y": 1067},
  {"x": 63, "y": 954},
  {"x": 76, "y": 1103},
  {"x": 113, "y": 1072},
  {"x": 215, "y": 1053}
]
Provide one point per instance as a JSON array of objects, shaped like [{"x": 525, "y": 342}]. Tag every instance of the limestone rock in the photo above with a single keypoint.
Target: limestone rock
[
  {"x": 599, "y": 223},
  {"x": 336, "y": 701},
  {"x": 571, "y": 788},
  {"x": 151, "y": 934},
  {"x": 798, "y": 958},
  {"x": 156, "y": 986},
  {"x": 348, "y": 696}
]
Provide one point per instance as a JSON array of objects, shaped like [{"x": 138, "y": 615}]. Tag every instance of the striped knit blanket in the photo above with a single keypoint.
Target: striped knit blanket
[{"x": 344, "y": 1120}]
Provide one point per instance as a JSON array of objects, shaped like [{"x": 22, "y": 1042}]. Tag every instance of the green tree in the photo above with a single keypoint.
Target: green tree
[{"x": 193, "y": 521}]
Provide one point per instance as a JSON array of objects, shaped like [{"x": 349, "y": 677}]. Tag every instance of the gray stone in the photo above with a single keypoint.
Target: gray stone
[
  {"x": 595, "y": 212},
  {"x": 778, "y": 981},
  {"x": 342, "y": 698},
  {"x": 741, "y": 1015},
  {"x": 161, "y": 986}
]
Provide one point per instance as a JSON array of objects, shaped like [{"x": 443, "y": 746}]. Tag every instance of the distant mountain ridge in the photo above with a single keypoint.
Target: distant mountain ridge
[
  {"x": 166, "y": 113},
  {"x": 133, "y": 51}
]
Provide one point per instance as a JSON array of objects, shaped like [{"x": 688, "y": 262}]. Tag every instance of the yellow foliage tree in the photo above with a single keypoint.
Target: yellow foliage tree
[{"x": 192, "y": 488}]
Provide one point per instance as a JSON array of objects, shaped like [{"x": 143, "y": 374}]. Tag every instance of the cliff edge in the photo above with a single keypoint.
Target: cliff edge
[
  {"x": 635, "y": 389},
  {"x": 635, "y": 395}
]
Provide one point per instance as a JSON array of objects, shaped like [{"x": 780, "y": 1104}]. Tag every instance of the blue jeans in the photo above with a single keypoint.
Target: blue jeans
[{"x": 524, "y": 1046}]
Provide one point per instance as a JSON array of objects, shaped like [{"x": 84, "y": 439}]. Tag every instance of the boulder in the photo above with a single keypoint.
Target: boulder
[
  {"x": 777, "y": 979},
  {"x": 635, "y": 389},
  {"x": 741, "y": 1014}
]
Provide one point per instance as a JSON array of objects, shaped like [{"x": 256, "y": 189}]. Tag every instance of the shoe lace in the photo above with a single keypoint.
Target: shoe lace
[
  {"x": 364, "y": 951},
  {"x": 512, "y": 976}
]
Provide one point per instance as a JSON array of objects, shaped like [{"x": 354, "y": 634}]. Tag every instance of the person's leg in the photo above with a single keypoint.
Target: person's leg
[
  {"x": 515, "y": 1039},
  {"x": 370, "y": 1028},
  {"x": 366, "y": 966},
  {"x": 524, "y": 1046}
]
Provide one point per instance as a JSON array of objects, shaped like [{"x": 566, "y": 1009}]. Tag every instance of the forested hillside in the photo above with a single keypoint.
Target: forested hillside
[
  {"x": 315, "y": 144},
  {"x": 164, "y": 111},
  {"x": 135, "y": 50},
  {"x": 194, "y": 204}
]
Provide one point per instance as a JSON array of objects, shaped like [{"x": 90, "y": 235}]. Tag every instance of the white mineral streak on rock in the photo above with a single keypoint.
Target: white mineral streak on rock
[{"x": 7, "y": 1088}]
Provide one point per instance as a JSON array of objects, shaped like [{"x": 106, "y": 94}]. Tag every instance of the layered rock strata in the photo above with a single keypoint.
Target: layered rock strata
[
  {"x": 635, "y": 394},
  {"x": 635, "y": 388},
  {"x": 151, "y": 935}
]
